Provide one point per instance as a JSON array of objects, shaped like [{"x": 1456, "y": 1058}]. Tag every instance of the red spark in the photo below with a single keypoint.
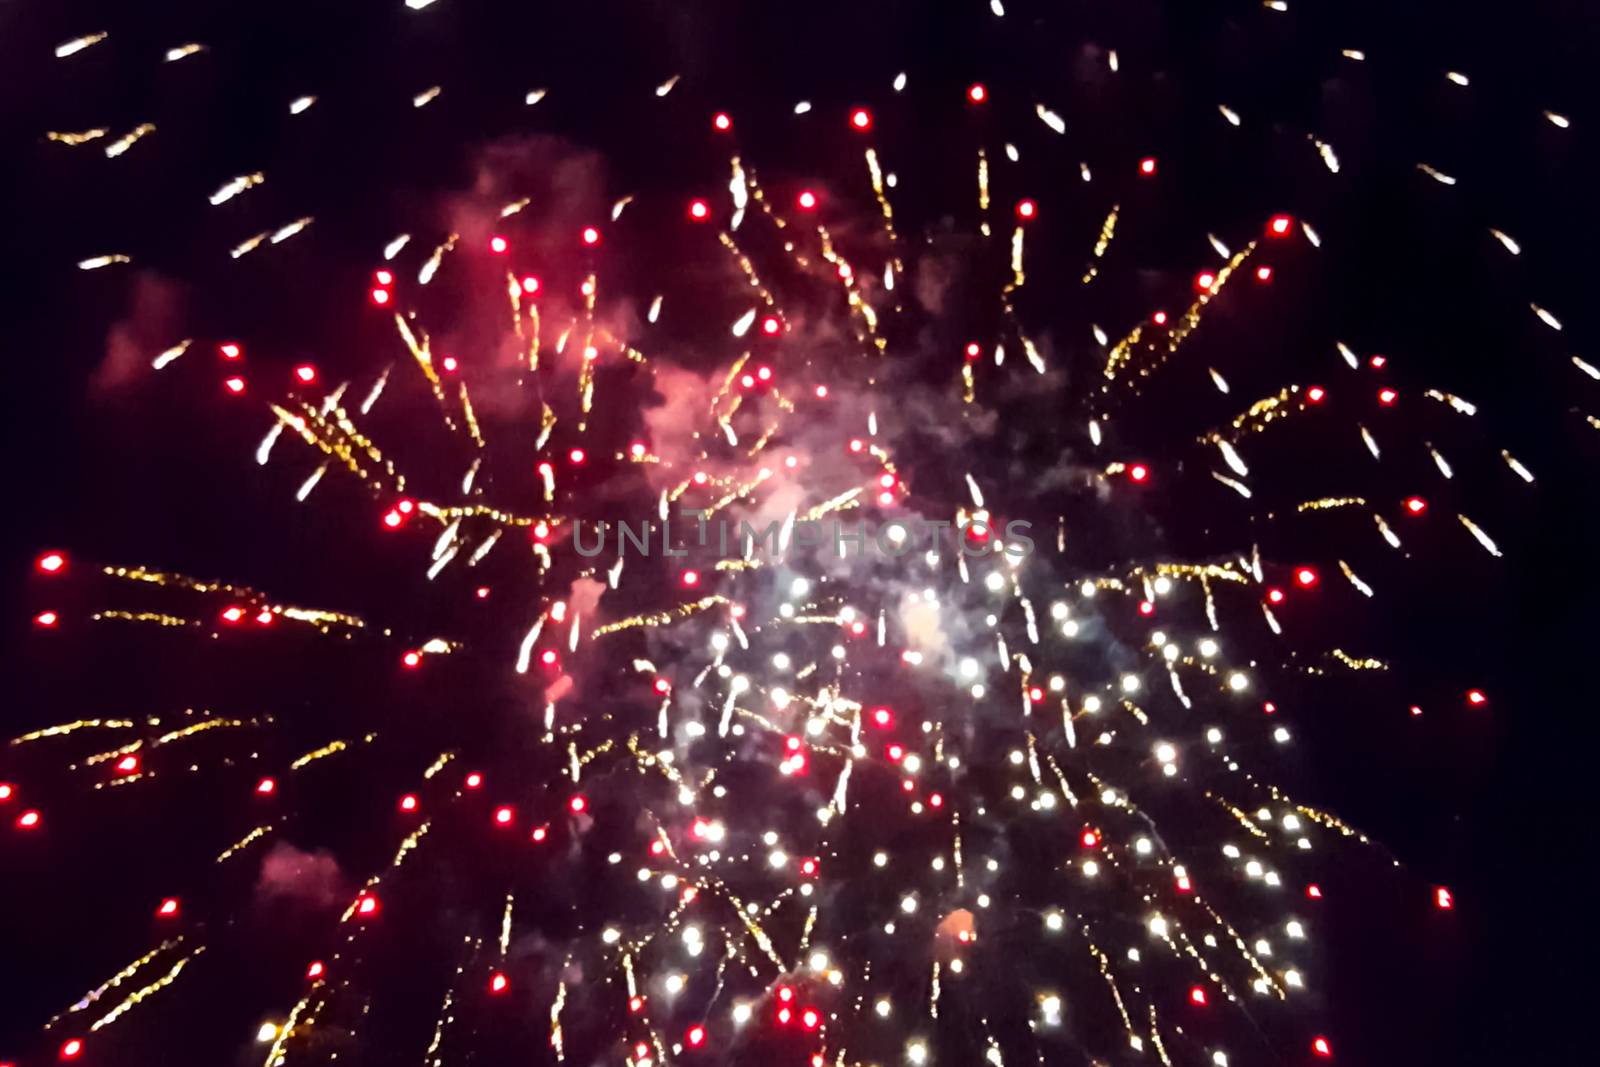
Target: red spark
[
  {"x": 883, "y": 717},
  {"x": 408, "y": 803},
  {"x": 1314, "y": 891},
  {"x": 591, "y": 236},
  {"x": 785, "y": 994},
  {"x": 412, "y": 659},
  {"x": 1316, "y": 394},
  {"x": 1476, "y": 697},
  {"x": 1416, "y": 505},
  {"x": 699, "y": 211},
  {"x": 393, "y": 519},
  {"x": 1204, "y": 281},
  {"x": 578, "y": 805},
  {"x": 28, "y": 820},
  {"x": 380, "y": 297},
  {"x": 1026, "y": 209},
  {"x": 1320, "y": 1046},
  {"x": 1146, "y": 608},
  {"x": 895, "y": 753},
  {"x": 809, "y": 1018},
  {"x": 576, "y": 455},
  {"x": 1035, "y": 694},
  {"x": 1159, "y": 318},
  {"x": 1377, "y": 362},
  {"x": 977, "y": 94},
  {"x": 1305, "y": 577},
  {"x": 46, "y": 619},
  {"x": 499, "y": 983},
  {"x": 1270, "y": 708},
  {"x": 808, "y": 867},
  {"x": 316, "y": 970},
  {"x": 1147, "y": 166},
  {"x": 383, "y": 277},
  {"x": 1443, "y": 899},
  {"x": 233, "y": 614},
  {"x": 7, "y": 790},
  {"x": 483, "y": 592},
  {"x": 691, "y": 577},
  {"x": 499, "y": 245},
  {"x": 229, "y": 350},
  {"x": 50, "y": 563},
  {"x": 936, "y": 801},
  {"x": 765, "y": 373},
  {"x": 663, "y": 686},
  {"x": 266, "y": 787},
  {"x": 1139, "y": 472},
  {"x": 366, "y": 904},
  {"x": 503, "y": 816},
  {"x": 169, "y": 908},
  {"x": 71, "y": 1049},
  {"x": 1279, "y": 225},
  {"x": 861, "y": 119},
  {"x": 770, "y": 325},
  {"x": 305, "y": 373},
  {"x": 784, "y": 1015},
  {"x": 973, "y": 350},
  {"x": 697, "y": 1036},
  {"x": 548, "y": 658},
  {"x": 1197, "y": 996},
  {"x": 530, "y": 285},
  {"x": 635, "y": 1004},
  {"x": 721, "y": 121},
  {"x": 1387, "y": 397},
  {"x": 1263, "y": 274},
  {"x": 264, "y": 617},
  {"x": 1275, "y": 595},
  {"x": 539, "y": 834},
  {"x": 1090, "y": 838},
  {"x": 234, "y": 385},
  {"x": 807, "y": 200},
  {"x": 858, "y": 628},
  {"x": 128, "y": 764}
]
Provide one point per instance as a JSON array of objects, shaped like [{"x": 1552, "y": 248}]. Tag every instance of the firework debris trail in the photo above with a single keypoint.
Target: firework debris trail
[{"x": 815, "y": 789}]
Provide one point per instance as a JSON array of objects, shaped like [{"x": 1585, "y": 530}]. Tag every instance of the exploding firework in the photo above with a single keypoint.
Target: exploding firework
[{"x": 904, "y": 711}]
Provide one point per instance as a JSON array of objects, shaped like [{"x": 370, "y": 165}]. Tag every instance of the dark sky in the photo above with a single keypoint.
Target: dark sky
[{"x": 1490, "y": 803}]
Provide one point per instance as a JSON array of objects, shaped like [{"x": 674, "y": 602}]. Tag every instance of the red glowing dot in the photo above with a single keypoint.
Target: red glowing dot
[
  {"x": 541, "y": 530},
  {"x": 412, "y": 659},
  {"x": 28, "y": 820},
  {"x": 977, "y": 94},
  {"x": 51, "y": 563},
  {"x": 885, "y": 499},
  {"x": 393, "y": 519},
  {"x": 383, "y": 277},
  {"x": 861, "y": 119},
  {"x": 895, "y": 752},
  {"x": 1316, "y": 394},
  {"x": 169, "y": 907},
  {"x": 266, "y": 787},
  {"x": 498, "y": 244},
  {"x": 233, "y": 614},
  {"x": 1204, "y": 281},
  {"x": 973, "y": 350},
  {"x": 548, "y": 658},
  {"x": 128, "y": 764},
  {"x": 1416, "y": 711},
  {"x": 1159, "y": 318},
  {"x": 1279, "y": 225},
  {"x": 635, "y": 1003},
  {"x": 765, "y": 373},
  {"x": 306, "y": 373},
  {"x": 1263, "y": 274},
  {"x": 71, "y": 1049},
  {"x": 936, "y": 801},
  {"x": 1377, "y": 362},
  {"x": 1035, "y": 694},
  {"x": 576, "y": 455},
  {"x": 1443, "y": 899},
  {"x": 1320, "y": 1046},
  {"x": 264, "y": 617},
  {"x": 1269, "y": 708},
  {"x": 844, "y": 271},
  {"x": 503, "y": 816},
  {"x": 721, "y": 121},
  {"x": 1416, "y": 505},
  {"x": 1146, "y": 608},
  {"x": 367, "y": 905},
  {"x": 663, "y": 686},
  {"x": 1476, "y": 697},
  {"x": 699, "y": 477},
  {"x": 1275, "y": 595},
  {"x": 858, "y": 628},
  {"x": 748, "y": 381},
  {"x": 499, "y": 983},
  {"x": 697, "y": 1036},
  {"x": 1139, "y": 472},
  {"x": 691, "y": 577},
  {"x": 234, "y": 385},
  {"x": 539, "y": 833},
  {"x": 808, "y": 868},
  {"x": 7, "y": 790},
  {"x": 1386, "y": 397},
  {"x": 770, "y": 325},
  {"x": 230, "y": 350},
  {"x": 698, "y": 210},
  {"x": 1197, "y": 996},
  {"x": 856, "y": 444},
  {"x": 1090, "y": 838},
  {"x": 637, "y": 450},
  {"x": 380, "y": 297},
  {"x": 809, "y": 1018},
  {"x": 591, "y": 236},
  {"x": 408, "y": 803},
  {"x": 785, "y": 994},
  {"x": 46, "y": 619},
  {"x": 530, "y": 285},
  {"x": 1306, "y": 577},
  {"x": 886, "y": 480},
  {"x": 784, "y": 1015},
  {"x": 1026, "y": 209},
  {"x": 316, "y": 970},
  {"x": 807, "y": 200},
  {"x": 883, "y": 717},
  {"x": 1314, "y": 891},
  {"x": 577, "y": 804},
  {"x": 1147, "y": 166},
  {"x": 483, "y": 592}
]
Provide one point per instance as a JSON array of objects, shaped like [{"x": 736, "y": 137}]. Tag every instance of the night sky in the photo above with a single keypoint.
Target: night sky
[{"x": 113, "y": 463}]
